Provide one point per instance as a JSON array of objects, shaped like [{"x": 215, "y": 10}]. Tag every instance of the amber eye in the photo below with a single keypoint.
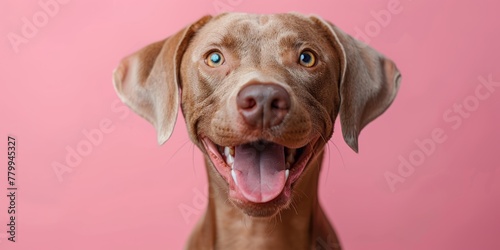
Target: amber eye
[
  {"x": 214, "y": 59},
  {"x": 307, "y": 59}
]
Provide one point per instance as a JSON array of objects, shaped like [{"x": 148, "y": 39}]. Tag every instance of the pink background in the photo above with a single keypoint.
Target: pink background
[{"x": 126, "y": 192}]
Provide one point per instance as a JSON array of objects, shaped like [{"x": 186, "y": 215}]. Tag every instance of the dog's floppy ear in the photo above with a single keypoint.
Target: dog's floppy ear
[
  {"x": 148, "y": 80},
  {"x": 368, "y": 83}
]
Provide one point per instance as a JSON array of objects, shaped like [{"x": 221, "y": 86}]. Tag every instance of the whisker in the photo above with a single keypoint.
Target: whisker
[
  {"x": 177, "y": 151},
  {"x": 327, "y": 151},
  {"x": 294, "y": 208},
  {"x": 340, "y": 154}
]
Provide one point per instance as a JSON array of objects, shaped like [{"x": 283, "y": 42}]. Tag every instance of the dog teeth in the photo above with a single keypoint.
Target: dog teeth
[
  {"x": 229, "y": 154},
  {"x": 233, "y": 174},
  {"x": 229, "y": 151},
  {"x": 229, "y": 160},
  {"x": 290, "y": 157},
  {"x": 287, "y": 172}
]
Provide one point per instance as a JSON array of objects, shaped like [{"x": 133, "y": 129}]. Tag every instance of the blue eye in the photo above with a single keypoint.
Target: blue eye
[
  {"x": 307, "y": 59},
  {"x": 214, "y": 59}
]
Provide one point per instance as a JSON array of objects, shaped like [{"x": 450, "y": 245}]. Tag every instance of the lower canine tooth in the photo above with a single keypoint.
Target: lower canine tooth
[
  {"x": 229, "y": 159},
  {"x": 233, "y": 174},
  {"x": 287, "y": 172}
]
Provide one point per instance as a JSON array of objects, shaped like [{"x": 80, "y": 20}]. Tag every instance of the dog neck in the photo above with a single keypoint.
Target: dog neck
[{"x": 227, "y": 227}]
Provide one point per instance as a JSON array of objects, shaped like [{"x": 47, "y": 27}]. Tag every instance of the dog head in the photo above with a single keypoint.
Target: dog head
[{"x": 260, "y": 95}]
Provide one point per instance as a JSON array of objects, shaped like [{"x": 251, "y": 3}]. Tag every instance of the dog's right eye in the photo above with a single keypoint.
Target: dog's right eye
[{"x": 214, "y": 59}]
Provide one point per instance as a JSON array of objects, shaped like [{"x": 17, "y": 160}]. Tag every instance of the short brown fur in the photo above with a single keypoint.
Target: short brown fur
[{"x": 350, "y": 79}]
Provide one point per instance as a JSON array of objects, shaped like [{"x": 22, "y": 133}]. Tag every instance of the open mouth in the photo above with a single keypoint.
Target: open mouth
[{"x": 259, "y": 171}]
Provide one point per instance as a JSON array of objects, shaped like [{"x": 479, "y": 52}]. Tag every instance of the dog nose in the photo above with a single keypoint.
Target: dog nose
[{"x": 263, "y": 105}]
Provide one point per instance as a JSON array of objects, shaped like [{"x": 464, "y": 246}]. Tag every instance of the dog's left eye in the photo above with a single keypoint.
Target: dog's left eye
[
  {"x": 307, "y": 59},
  {"x": 214, "y": 59}
]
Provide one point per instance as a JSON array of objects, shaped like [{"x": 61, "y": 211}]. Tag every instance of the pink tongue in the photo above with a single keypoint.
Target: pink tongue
[{"x": 260, "y": 171}]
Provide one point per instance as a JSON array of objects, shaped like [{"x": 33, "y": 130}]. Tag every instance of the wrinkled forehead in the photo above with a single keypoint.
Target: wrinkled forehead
[{"x": 239, "y": 30}]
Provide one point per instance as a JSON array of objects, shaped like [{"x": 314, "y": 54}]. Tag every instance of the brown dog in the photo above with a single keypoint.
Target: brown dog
[{"x": 260, "y": 94}]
